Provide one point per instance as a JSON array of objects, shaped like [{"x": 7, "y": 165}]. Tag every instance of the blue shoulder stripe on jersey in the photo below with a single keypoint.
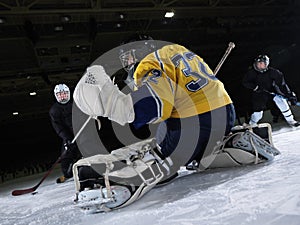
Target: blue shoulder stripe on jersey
[
  {"x": 159, "y": 60},
  {"x": 171, "y": 86},
  {"x": 147, "y": 106},
  {"x": 159, "y": 103}
]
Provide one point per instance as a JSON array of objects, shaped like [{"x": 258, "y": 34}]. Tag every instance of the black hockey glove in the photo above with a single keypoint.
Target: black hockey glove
[
  {"x": 292, "y": 98},
  {"x": 69, "y": 146}
]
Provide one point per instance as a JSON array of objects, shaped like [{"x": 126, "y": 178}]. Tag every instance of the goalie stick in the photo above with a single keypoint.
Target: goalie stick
[
  {"x": 32, "y": 189},
  {"x": 231, "y": 45}
]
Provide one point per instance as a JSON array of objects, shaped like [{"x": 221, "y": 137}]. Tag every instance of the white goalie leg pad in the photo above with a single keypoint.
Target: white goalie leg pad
[
  {"x": 244, "y": 147},
  {"x": 231, "y": 157},
  {"x": 140, "y": 163},
  {"x": 96, "y": 95},
  {"x": 264, "y": 130},
  {"x": 138, "y": 157},
  {"x": 143, "y": 189},
  {"x": 252, "y": 143}
]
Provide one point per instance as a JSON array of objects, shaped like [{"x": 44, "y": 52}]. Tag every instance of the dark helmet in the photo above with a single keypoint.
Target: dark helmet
[
  {"x": 261, "y": 58},
  {"x": 132, "y": 51}
]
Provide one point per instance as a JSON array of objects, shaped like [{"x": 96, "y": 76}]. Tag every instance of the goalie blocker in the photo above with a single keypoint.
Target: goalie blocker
[{"x": 130, "y": 172}]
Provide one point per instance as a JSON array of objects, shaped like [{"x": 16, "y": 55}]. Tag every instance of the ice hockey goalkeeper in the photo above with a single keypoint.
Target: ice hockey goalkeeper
[{"x": 171, "y": 86}]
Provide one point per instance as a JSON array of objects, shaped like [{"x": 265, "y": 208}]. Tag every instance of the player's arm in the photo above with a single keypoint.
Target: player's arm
[
  {"x": 58, "y": 126},
  {"x": 154, "y": 100}
]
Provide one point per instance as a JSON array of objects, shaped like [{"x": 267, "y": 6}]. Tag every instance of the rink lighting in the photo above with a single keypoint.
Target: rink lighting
[
  {"x": 15, "y": 113},
  {"x": 169, "y": 14},
  {"x": 58, "y": 28},
  {"x": 32, "y": 93},
  {"x": 122, "y": 16},
  {"x": 2, "y": 20},
  {"x": 65, "y": 18}
]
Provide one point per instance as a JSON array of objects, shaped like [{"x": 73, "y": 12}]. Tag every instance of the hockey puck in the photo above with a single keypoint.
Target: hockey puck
[{"x": 33, "y": 193}]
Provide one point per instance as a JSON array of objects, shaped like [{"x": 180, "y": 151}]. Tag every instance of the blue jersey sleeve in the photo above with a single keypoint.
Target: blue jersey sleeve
[{"x": 147, "y": 106}]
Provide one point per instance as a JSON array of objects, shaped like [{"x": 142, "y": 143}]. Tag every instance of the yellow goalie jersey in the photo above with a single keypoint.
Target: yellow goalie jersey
[{"x": 174, "y": 82}]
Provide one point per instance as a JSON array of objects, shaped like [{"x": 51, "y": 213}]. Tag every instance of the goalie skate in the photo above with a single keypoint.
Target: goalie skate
[{"x": 97, "y": 200}]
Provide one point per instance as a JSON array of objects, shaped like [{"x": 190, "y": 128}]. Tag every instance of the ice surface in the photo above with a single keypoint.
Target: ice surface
[{"x": 267, "y": 194}]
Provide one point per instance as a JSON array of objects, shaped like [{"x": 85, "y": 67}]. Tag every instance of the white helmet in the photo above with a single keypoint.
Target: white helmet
[{"x": 62, "y": 93}]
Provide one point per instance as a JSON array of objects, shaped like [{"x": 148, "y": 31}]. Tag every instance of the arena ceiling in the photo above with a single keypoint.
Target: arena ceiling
[{"x": 43, "y": 42}]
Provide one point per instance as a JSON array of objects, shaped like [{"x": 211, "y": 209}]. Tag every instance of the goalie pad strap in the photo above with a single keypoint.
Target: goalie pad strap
[{"x": 138, "y": 157}]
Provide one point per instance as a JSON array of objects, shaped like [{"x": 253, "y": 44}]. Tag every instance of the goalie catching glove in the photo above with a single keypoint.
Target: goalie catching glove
[{"x": 96, "y": 95}]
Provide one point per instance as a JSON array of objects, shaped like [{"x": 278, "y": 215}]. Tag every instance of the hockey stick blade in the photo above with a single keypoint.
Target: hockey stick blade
[
  {"x": 32, "y": 189},
  {"x": 24, "y": 191}
]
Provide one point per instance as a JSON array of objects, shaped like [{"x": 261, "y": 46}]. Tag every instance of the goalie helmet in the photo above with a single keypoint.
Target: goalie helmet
[
  {"x": 62, "y": 93},
  {"x": 261, "y": 63},
  {"x": 135, "y": 49},
  {"x": 132, "y": 51}
]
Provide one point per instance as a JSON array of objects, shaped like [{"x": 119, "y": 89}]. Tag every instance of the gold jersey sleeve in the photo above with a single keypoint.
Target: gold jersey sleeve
[{"x": 181, "y": 81}]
